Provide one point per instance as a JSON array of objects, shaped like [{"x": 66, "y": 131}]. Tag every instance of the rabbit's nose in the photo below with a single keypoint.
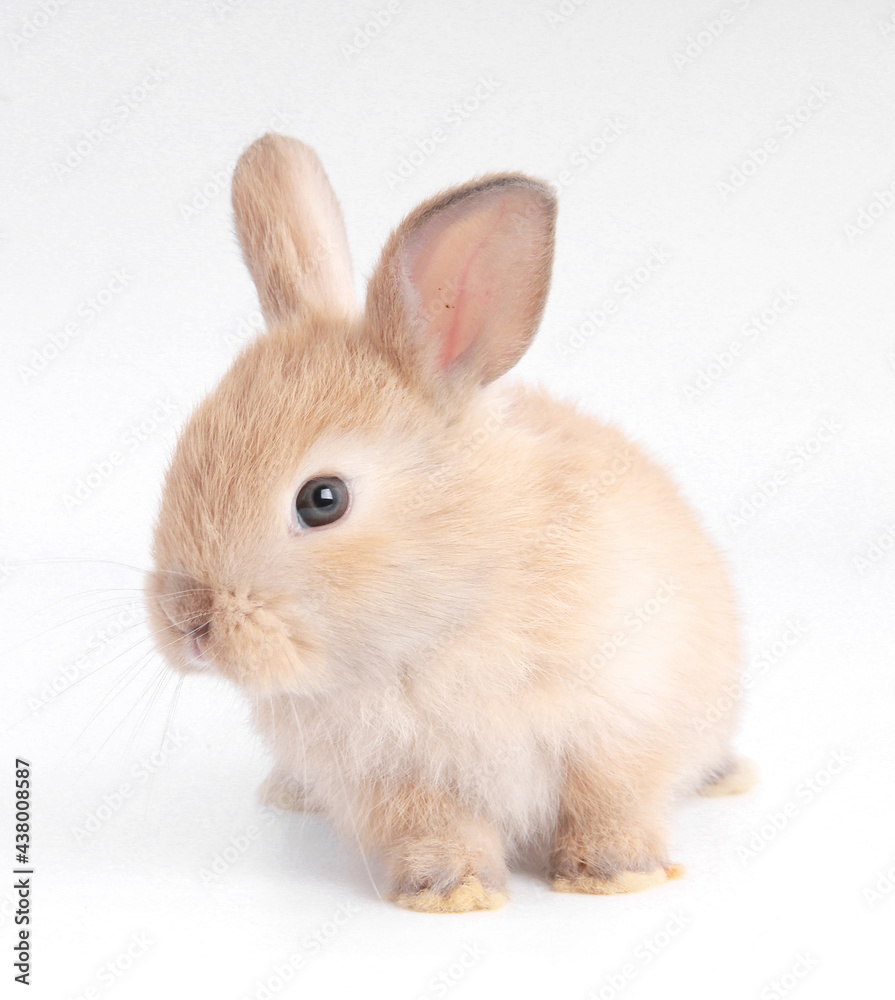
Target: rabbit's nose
[
  {"x": 197, "y": 629},
  {"x": 196, "y": 626},
  {"x": 193, "y": 619},
  {"x": 197, "y": 635},
  {"x": 188, "y": 605},
  {"x": 200, "y": 631}
]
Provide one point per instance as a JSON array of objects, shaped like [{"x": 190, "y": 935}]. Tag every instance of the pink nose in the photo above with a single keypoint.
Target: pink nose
[{"x": 198, "y": 631}]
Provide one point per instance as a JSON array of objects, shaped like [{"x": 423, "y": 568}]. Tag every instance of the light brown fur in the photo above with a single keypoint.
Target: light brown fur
[{"x": 440, "y": 672}]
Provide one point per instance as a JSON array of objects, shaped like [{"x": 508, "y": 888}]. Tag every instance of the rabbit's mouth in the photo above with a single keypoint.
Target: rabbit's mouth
[
  {"x": 235, "y": 633},
  {"x": 196, "y": 656},
  {"x": 260, "y": 653}
]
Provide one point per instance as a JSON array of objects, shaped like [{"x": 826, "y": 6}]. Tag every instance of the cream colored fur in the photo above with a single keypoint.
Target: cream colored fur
[{"x": 518, "y": 633}]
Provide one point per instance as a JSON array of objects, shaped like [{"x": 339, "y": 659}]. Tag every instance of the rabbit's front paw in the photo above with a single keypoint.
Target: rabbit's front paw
[
  {"x": 622, "y": 882},
  {"x": 469, "y": 895},
  {"x": 609, "y": 862},
  {"x": 444, "y": 876},
  {"x": 610, "y": 836}
]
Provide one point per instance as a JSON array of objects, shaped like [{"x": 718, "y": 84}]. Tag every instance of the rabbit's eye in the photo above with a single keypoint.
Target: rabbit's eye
[{"x": 321, "y": 501}]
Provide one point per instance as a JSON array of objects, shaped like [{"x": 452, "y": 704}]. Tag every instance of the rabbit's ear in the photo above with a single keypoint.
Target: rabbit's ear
[
  {"x": 291, "y": 230},
  {"x": 462, "y": 282}
]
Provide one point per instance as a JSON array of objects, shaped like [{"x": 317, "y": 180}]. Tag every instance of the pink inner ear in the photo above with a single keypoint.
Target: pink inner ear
[{"x": 458, "y": 278}]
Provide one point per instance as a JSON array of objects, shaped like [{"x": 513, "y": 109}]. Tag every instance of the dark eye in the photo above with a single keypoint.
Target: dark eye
[{"x": 321, "y": 501}]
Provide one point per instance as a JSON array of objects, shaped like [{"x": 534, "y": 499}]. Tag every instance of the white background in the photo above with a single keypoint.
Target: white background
[{"x": 753, "y": 150}]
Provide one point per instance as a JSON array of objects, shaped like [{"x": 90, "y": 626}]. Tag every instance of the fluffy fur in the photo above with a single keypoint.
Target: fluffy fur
[{"x": 518, "y": 633}]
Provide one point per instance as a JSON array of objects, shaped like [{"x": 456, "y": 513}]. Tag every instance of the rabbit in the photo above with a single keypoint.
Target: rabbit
[{"x": 470, "y": 620}]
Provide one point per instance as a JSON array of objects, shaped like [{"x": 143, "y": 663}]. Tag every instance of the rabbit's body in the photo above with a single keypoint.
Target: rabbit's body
[
  {"x": 624, "y": 660},
  {"x": 469, "y": 618}
]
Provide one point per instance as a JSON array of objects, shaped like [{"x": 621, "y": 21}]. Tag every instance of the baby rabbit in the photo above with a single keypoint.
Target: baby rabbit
[{"x": 469, "y": 619}]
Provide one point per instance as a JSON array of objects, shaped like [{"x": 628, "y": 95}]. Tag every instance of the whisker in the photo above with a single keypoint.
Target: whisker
[
  {"x": 117, "y": 689},
  {"x": 127, "y": 714},
  {"x": 78, "y": 559},
  {"x": 169, "y": 723},
  {"x": 159, "y": 686},
  {"x": 83, "y": 593},
  {"x": 76, "y": 682},
  {"x": 123, "y": 682},
  {"x": 111, "y": 609},
  {"x": 350, "y": 810},
  {"x": 98, "y": 607}
]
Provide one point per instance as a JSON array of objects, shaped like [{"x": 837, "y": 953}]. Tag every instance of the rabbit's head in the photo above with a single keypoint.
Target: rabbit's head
[{"x": 320, "y": 517}]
